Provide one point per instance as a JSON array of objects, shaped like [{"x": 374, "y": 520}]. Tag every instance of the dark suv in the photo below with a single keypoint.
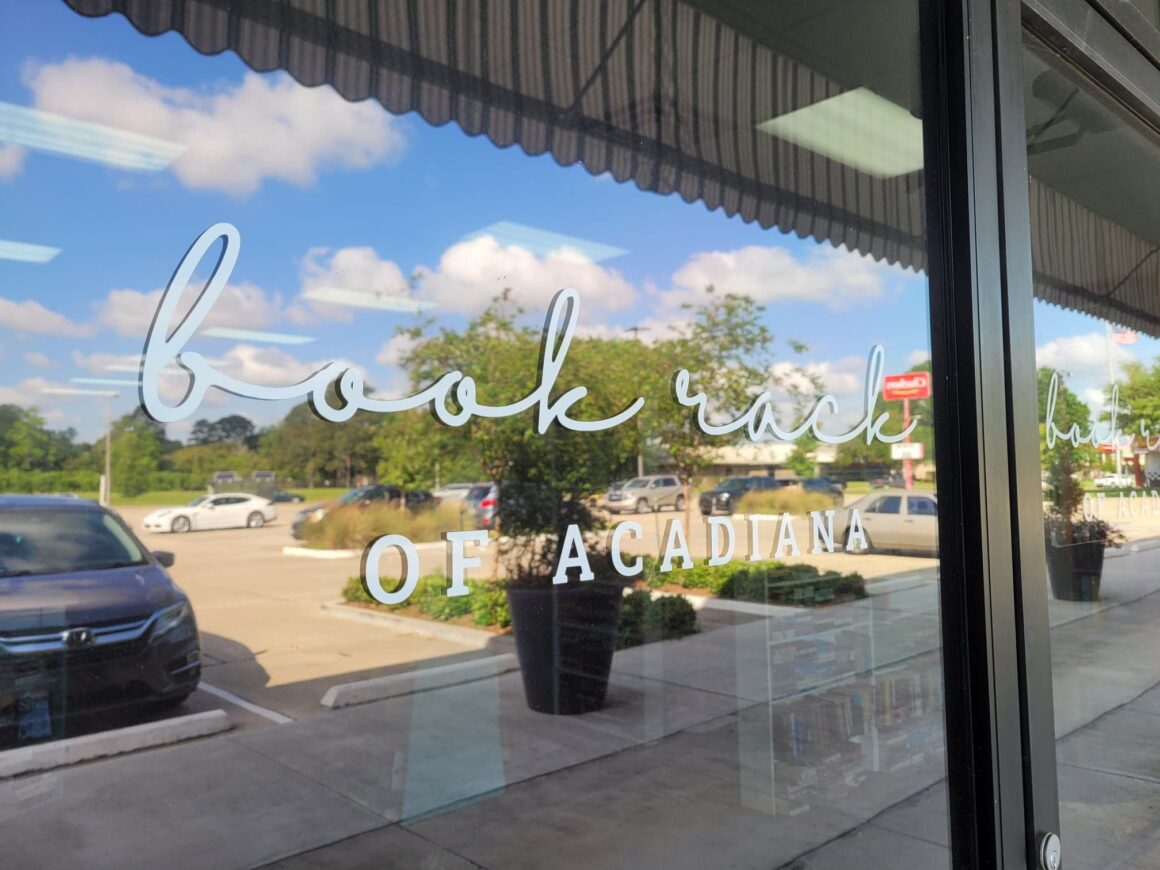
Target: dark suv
[
  {"x": 727, "y": 492},
  {"x": 89, "y": 618}
]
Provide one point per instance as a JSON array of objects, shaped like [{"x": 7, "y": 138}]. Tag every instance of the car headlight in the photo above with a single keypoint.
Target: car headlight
[
  {"x": 317, "y": 514},
  {"x": 171, "y": 617}
]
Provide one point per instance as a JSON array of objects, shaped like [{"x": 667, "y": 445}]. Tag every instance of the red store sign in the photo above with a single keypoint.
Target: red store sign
[{"x": 912, "y": 385}]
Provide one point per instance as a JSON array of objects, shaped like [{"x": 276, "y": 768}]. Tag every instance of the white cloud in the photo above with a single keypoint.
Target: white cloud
[
  {"x": 1084, "y": 357},
  {"x": 130, "y": 312},
  {"x": 917, "y": 357},
  {"x": 31, "y": 316},
  {"x": 236, "y": 135},
  {"x": 395, "y": 348},
  {"x": 30, "y": 393},
  {"x": 356, "y": 268},
  {"x": 827, "y": 275},
  {"x": 11, "y": 161},
  {"x": 472, "y": 273},
  {"x": 38, "y": 359}
]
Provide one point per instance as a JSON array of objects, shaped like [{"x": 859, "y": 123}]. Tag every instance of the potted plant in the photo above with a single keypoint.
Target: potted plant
[
  {"x": 1075, "y": 555},
  {"x": 1075, "y": 543},
  {"x": 565, "y": 633}
]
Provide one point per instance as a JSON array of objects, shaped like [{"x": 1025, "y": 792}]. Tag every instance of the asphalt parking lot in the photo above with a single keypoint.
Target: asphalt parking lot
[{"x": 270, "y": 650}]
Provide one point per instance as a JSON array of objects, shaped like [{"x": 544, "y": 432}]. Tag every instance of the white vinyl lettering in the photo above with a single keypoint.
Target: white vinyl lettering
[
  {"x": 573, "y": 555},
  {"x": 713, "y": 525},
  {"x": 855, "y": 535},
  {"x": 457, "y": 562},
  {"x": 754, "y": 538},
  {"x": 628, "y": 527},
  {"x": 676, "y": 544},
  {"x": 822, "y": 533},
  {"x": 410, "y": 557},
  {"x": 786, "y": 537}
]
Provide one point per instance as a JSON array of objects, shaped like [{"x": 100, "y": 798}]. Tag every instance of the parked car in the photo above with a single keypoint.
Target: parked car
[
  {"x": 614, "y": 488},
  {"x": 649, "y": 493},
  {"x": 826, "y": 485},
  {"x": 90, "y": 617},
  {"x": 894, "y": 479},
  {"x": 896, "y": 519},
  {"x": 1115, "y": 481},
  {"x": 724, "y": 496},
  {"x": 280, "y": 496},
  {"x": 454, "y": 491},
  {"x": 226, "y": 510},
  {"x": 362, "y": 496},
  {"x": 483, "y": 499}
]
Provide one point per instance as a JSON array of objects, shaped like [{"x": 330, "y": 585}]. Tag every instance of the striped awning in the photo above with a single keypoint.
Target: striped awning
[{"x": 657, "y": 92}]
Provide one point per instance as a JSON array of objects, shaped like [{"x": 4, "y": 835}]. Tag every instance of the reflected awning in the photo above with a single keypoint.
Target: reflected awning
[{"x": 659, "y": 92}]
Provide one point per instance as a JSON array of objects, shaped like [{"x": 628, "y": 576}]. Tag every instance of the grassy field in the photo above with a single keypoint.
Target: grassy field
[{"x": 169, "y": 497}]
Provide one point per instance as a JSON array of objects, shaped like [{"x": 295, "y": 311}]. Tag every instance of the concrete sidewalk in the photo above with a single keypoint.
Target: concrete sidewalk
[{"x": 735, "y": 747}]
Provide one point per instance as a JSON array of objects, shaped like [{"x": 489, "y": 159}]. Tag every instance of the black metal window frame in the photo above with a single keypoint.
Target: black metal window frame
[{"x": 1003, "y": 794}]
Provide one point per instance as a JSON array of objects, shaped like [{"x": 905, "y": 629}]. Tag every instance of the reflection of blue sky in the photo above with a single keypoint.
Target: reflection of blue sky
[{"x": 645, "y": 253}]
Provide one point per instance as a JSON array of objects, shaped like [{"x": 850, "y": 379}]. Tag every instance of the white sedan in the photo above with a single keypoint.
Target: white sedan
[{"x": 228, "y": 510}]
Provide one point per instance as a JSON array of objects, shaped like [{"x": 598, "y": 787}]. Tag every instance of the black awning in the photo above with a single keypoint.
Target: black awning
[{"x": 657, "y": 92}]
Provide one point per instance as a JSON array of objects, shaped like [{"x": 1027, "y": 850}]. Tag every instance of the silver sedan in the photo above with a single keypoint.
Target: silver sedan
[{"x": 893, "y": 519}]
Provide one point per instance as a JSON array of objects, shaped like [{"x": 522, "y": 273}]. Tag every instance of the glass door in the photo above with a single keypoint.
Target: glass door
[{"x": 1094, "y": 205}]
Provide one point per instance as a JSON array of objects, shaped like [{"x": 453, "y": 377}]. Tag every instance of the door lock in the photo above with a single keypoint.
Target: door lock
[{"x": 1050, "y": 856}]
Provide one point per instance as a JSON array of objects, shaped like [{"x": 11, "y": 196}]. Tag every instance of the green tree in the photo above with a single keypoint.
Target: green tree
[
  {"x": 136, "y": 445},
  {"x": 728, "y": 351}
]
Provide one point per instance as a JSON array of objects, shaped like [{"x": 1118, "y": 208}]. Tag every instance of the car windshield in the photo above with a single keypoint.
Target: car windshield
[
  {"x": 47, "y": 541},
  {"x": 354, "y": 495},
  {"x": 196, "y": 501},
  {"x": 637, "y": 483},
  {"x": 733, "y": 484},
  {"x": 479, "y": 492}
]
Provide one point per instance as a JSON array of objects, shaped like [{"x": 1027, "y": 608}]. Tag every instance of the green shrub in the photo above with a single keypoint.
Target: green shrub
[
  {"x": 632, "y": 610},
  {"x": 669, "y": 617},
  {"x": 788, "y": 499},
  {"x": 485, "y": 601},
  {"x": 644, "y": 619},
  {"x": 489, "y": 605}
]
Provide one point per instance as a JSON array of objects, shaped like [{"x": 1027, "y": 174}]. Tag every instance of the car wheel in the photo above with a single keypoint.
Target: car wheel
[
  {"x": 255, "y": 521},
  {"x": 180, "y": 525},
  {"x": 680, "y": 504},
  {"x": 642, "y": 506}
]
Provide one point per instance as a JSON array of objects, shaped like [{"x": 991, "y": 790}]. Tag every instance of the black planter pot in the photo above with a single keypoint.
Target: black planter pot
[
  {"x": 1075, "y": 570},
  {"x": 565, "y": 638}
]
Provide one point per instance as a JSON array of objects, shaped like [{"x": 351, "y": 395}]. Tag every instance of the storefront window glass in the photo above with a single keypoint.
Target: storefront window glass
[
  {"x": 566, "y": 504},
  {"x": 1095, "y": 189}
]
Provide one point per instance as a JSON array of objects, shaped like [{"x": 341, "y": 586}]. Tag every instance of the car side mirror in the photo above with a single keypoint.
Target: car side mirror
[{"x": 164, "y": 558}]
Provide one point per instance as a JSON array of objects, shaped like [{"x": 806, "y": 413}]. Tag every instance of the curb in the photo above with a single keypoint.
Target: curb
[
  {"x": 313, "y": 553},
  {"x": 396, "y": 685},
  {"x": 310, "y": 553},
  {"x": 63, "y": 753},
  {"x": 470, "y": 637}
]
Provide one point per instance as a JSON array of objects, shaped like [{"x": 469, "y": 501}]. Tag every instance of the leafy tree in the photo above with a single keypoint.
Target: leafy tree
[
  {"x": 728, "y": 351},
  {"x": 1063, "y": 460},
  {"x": 233, "y": 429},
  {"x": 136, "y": 448}
]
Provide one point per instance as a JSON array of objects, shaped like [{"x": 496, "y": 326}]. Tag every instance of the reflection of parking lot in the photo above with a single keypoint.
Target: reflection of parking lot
[
  {"x": 265, "y": 638},
  {"x": 269, "y": 650}
]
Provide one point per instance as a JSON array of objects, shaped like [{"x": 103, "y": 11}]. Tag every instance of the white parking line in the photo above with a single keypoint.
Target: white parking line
[{"x": 272, "y": 715}]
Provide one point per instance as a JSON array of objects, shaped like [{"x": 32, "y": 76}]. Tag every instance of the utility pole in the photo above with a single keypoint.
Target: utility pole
[
  {"x": 636, "y": 331},
  {"x": 106, "y": 492}
]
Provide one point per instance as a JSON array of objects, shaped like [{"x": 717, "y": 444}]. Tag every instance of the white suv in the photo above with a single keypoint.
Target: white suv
[{"x": 649, "y": 493}]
